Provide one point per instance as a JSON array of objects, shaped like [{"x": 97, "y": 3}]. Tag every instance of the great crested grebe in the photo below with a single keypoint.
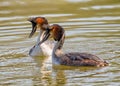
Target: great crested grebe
[
  {"x": 73, "y": 58},
  {"x": 41, "y": 24}
]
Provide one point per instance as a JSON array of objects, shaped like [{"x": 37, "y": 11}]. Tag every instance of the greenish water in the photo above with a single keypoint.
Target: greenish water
[{"x": 91, "y": 26}]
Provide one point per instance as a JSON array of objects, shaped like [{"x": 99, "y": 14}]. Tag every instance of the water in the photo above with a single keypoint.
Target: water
[{"x": 91, "y": 26}]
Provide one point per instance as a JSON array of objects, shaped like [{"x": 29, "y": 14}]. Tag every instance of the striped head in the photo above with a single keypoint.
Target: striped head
[
  {"x": 57, "y": 32},
  {"x": 38, "y": 23}
]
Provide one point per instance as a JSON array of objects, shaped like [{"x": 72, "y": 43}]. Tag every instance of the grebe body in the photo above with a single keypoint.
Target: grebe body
[
  {"x": 45, "y": 48},
  {"x": 73, "y": 58}
]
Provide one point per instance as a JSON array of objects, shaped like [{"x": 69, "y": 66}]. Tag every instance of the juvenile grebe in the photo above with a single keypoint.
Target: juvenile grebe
[
  {"x": 40, "y": 23},
  {"x": 73, "y": 58}
]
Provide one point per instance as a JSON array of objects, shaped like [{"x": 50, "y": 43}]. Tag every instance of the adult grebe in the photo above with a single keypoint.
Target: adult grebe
[
  {"x": 73, "y": 58},
  {"x": 40, "y": 23}
]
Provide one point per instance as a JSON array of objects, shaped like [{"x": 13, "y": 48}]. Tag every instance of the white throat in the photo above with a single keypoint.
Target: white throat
[
  {"x": 56, "y": 53},
  {"x": 40, "y": 36}
]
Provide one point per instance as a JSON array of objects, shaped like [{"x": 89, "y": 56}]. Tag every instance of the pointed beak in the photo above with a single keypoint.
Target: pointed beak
[
  {"x": 45, "y": 36},
  {"x": 34, "y": 27}
]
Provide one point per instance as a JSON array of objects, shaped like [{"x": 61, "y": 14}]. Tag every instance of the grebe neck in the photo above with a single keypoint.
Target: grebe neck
[
  {"x": 39, "y": 36},
  {"x": 45, "y": 47},
  {"x": 57, "y": 50}
]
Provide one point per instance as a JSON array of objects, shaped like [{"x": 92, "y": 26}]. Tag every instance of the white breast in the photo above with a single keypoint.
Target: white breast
[
  {"x": 36, "y": 51},
  {"x": 43, "y": 49},
  {"x": 47, "y": 51}
]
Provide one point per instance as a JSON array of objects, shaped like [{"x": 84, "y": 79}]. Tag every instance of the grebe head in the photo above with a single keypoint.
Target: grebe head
[
  {"x": 38, "y": 22},
  {"x": 57, "y": 32}
]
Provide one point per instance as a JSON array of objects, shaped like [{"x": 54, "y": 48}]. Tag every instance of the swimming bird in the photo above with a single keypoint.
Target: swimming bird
[
  {"x": 72, "y": 58},
  {"x": 45, "y": 48}
]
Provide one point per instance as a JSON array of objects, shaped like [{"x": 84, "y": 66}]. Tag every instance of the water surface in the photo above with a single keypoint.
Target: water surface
[{"x": 91, "y": 26}]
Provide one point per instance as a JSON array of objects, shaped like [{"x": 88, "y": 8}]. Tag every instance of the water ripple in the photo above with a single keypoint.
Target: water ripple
[
  {"x": 97, "y": 18},
  {"x": 90, "y": 26},
  {"x": 97, "y": 7}
]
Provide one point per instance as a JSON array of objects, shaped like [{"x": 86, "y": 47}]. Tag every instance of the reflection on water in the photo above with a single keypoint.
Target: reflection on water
[
  {"x": 91, "y": 26},
  {"x": 101, "y": 7}
]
